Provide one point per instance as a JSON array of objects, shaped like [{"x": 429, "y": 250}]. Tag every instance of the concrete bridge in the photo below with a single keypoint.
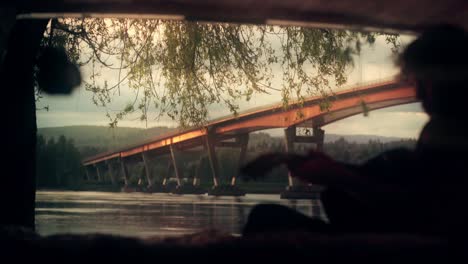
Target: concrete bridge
[{"x": 233, "y": 132}]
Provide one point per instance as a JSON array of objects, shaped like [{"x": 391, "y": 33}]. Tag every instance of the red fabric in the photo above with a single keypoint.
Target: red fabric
[{"x": 320, "y": 169}]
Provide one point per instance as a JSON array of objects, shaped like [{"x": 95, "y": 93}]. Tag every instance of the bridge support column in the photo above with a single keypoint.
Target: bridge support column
[
  {"x": 319, "y": 138},
  {"x": 149, "y": 179},
  {"x": 243, "y": 141},
  {"x": 296, "y": 190},
  {"x": 88, "y": 176},
  {"x": 210, "y": 143},
  {"x": 124, "y": 169},
  {"x": 192, "y": 173},
  {"x": 196, "y": 180},
  {"x": 98, "y": 171},
  {"x": 111, "y": 172},
  {"x": 196, "y": 177},
  {"x": 290, "y": 137},
  {"x": 196, "y": 167},
  {"x": 174, "y": 163},
  {"x": 168, "y": 173}
]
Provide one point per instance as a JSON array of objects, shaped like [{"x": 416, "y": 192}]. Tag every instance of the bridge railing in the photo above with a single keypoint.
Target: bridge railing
[{"x": 273, "y": 105}]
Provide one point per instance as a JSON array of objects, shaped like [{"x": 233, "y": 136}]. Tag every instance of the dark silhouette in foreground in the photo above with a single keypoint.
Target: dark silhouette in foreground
[{"x": 420, "y": 191}]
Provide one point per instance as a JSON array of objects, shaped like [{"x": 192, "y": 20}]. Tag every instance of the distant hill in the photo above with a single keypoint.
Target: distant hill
[
  {"x": 360, "y": 138},
  {"x": 103, "y": 136}
]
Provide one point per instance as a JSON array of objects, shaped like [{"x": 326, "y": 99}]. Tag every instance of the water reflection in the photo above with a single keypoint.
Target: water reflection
[{"x": 143, "y": 215}]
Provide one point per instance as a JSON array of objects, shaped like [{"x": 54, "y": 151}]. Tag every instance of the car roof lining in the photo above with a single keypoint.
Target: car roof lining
[{"x": 397, "y": 16}]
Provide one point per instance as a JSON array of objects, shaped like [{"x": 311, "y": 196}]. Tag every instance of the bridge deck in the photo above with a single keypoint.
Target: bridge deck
[{"x": 343, "y": 104}]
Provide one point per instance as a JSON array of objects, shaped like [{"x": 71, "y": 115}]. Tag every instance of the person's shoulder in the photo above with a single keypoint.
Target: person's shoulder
[
  {"x": 394, "y": 156},
  {"x": 392, "y": 163}
]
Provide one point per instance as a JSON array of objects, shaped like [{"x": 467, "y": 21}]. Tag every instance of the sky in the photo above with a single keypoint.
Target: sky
[{"x": 376, "y": 62}]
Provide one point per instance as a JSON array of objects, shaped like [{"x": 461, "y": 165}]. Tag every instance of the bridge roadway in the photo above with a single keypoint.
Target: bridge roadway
[{"x": 233, "y": 132}]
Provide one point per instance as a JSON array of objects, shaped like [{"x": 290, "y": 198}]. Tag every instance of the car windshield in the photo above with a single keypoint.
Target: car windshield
[{"x": 150, "y": 141}]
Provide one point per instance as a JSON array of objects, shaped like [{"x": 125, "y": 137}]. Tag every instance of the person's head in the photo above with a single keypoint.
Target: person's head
[{"x": 437, "y": 64}]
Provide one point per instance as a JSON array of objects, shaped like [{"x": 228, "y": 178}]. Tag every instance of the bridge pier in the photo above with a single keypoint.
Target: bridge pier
[
  {"x": 193, "y": 172},
  {"x": 289, "y": 137},
  {"x": 110, "y": 172},
  {"x": 124, "y": 170},
  {"x": 243, "y": 141},
  {"x": 174, "y": 164},
  {"x": 295, "y": 189},
  {"x": 88, "y": 176},
  {"x": 319, "y": 138},
  {"x": 196, "y": 176},
  {"x": 149, "y": 179},
  {"x": 168, "y": 173},
  {"x": 166, "y": 186},
  {"x": 210, "y": 143},
  {"x": 182, "y": 188},
  {"x": 231, "y": 189},
  {"x": 98, "y": 171}
]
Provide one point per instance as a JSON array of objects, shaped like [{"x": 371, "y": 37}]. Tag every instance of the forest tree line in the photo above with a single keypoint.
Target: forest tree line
[{"x": 59, "y": 161}]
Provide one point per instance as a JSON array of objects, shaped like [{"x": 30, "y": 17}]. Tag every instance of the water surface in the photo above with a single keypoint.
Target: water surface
[{"x": 143, "y": 215}]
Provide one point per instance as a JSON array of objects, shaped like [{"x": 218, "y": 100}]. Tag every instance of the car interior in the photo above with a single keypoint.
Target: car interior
[{"x": 23, "y": 26}]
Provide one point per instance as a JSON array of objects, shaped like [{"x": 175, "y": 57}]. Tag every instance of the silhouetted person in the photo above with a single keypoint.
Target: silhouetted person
[{"x": 420, "y": 191}]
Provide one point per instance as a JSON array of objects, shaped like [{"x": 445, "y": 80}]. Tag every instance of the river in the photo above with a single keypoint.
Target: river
[{"x": 145, "y": 215}]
